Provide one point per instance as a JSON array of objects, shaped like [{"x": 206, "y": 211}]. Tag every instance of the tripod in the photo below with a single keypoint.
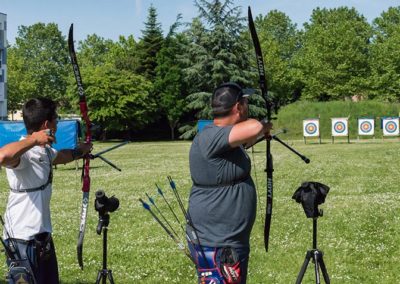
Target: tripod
[
  {"x": 104, "y": 220},
  {"x": 317, "y": 257}
]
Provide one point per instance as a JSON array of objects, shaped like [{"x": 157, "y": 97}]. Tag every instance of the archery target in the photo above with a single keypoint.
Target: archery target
[
  {"x": 390, "y": 126},
  {"x": 366, "y": 126},
  {"x": 340, "y": 127},
  {"x": 311, "y": 128}
]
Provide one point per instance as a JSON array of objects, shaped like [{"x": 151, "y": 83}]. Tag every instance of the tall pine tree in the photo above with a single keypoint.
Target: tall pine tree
[
  {"x": 149, "y": 45},
  {"x": 169, "y": 83},
  {"x": 217, "y": 53}
]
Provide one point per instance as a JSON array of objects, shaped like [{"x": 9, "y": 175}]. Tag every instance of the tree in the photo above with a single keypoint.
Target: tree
[
  {"x": 18, "y": 83},
  {"x": 124, "y": 54},
  {"x": 146, "y": 56},
  {"x": 95, "y": 51},
  {"x": 118, "y": 99},
  {"x": 38, "y": 64},
  {"x": 224, "y": 43},
  {"x": 217, "y": 52},
  {"x": 169, "y": 83},
  {"x": 385, "y": 56},
  {"x": 387, "y": 24},
  {"x": 333, "y": 60},
  {"x": 279, "y": 41},
  {"x": 149, "y": 45}
]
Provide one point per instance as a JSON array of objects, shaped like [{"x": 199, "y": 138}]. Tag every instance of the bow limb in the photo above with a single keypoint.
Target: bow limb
[
  {"x": 268, "y": 105},
  {"x": 86, "y": 161}
]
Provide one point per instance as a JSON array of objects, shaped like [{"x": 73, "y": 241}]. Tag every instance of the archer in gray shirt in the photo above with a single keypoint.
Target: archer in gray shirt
[{"x": 222, "y": 202}]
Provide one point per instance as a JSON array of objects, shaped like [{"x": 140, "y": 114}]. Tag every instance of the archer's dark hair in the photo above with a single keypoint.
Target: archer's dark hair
[
  {"x": 36, "y": 111},
  {"x": 224, "y": 98}
]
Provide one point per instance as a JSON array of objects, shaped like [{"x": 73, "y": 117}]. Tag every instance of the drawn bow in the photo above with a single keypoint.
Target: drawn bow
[
  {"x": 268, "y": 105},
  {"x": 86, "y": 160}
]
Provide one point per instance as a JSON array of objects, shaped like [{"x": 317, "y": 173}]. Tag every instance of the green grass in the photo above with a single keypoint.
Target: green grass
[{"x": 359, "y": 232}]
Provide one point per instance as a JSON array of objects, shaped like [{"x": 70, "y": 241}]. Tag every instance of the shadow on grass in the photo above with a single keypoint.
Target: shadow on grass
[
  {"x": 2, "y": 281},
  {"x": 74, "y": 169}
]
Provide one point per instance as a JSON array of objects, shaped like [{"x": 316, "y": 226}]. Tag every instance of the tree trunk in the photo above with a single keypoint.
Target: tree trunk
[
  {"x": 172, "y": 126},
  {"x": 103, "y": 136}
]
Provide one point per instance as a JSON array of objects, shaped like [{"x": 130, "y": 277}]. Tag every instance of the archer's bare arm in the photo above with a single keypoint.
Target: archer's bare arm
[
  {"x": 246, "y": 132},
  {"x": 67, "y": 155},
  {"x": 10, "y": 154}
]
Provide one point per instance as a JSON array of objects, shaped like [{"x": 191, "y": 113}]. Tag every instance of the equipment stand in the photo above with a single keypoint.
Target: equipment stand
[
  {"x": 104, "y": 273},
  {"x": 317, "y": 256}
]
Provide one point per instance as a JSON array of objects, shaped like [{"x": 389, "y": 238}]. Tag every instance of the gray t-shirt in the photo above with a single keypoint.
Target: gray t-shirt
[{"x": 222, "y": 202}]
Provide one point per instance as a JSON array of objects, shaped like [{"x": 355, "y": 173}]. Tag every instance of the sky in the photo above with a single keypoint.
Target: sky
[{"x": 112, "y": 18}]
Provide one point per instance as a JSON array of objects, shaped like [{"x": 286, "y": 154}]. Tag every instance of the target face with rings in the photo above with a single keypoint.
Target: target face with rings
[
  {"x": 391, "y": 127},
  {"x": 311, "y": 128},
  {"x": 366, "y": 127},
  {"x": 339, "y": 127}
]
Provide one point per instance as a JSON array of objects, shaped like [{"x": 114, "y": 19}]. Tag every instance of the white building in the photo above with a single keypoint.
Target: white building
[{"x": 3, "y": 66}]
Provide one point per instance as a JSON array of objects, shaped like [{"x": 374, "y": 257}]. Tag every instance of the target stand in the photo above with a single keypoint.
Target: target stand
[
  {"x": 366, "y": 127},
  {"x": 340, "y": 128},
  {"x": 390, "y": 127},
  {"x": 311, "y": 129}
]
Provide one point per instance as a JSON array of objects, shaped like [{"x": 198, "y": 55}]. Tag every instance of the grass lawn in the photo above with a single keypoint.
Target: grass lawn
[{"x": 359, "y": 232}]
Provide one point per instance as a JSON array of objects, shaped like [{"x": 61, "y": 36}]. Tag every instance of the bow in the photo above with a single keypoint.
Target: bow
[
  {"x": 268, "y": 105},
  {"x": 86, "y": 160}
]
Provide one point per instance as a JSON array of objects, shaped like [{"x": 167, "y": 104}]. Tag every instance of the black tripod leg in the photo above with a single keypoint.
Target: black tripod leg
[
  {"x": 110, "y": 277},
  {"x": 303, "y": 268},
  {"x": 324, "y": 271},
  {"x": 98, "y": 277},
  {"x": 316, "y": 267}
]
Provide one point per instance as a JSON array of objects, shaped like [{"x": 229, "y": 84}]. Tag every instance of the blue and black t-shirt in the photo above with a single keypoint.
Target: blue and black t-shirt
[{"x": 222, "y": 202}]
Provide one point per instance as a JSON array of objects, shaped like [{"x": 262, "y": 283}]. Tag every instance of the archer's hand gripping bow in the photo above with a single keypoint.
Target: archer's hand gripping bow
[{"x": 86, "y": 159}]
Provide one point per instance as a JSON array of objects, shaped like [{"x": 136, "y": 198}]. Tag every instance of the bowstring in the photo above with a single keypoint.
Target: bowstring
[{"x": 260, "y": 209}]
